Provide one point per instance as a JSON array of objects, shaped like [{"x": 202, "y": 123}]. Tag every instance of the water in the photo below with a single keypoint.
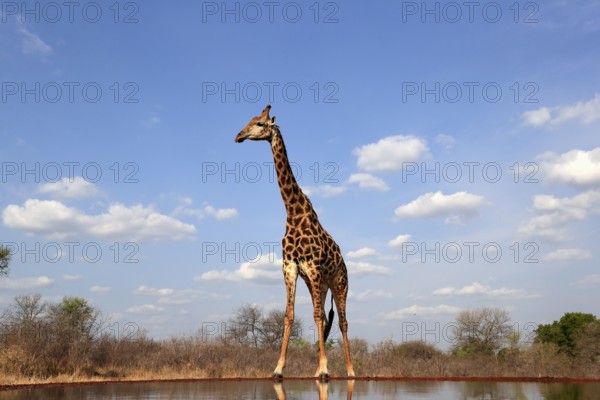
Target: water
[{"x": 299, "y": 390}]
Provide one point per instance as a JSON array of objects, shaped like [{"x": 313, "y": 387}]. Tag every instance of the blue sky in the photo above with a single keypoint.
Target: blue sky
[{"x": 452, "y": 152}]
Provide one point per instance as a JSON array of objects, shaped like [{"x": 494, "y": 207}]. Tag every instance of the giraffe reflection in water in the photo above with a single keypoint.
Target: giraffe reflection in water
[{"x": 322, "y": 388}]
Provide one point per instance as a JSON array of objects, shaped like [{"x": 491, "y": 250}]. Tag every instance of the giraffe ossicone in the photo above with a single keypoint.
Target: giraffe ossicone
[{"x": 309, "y": 251}]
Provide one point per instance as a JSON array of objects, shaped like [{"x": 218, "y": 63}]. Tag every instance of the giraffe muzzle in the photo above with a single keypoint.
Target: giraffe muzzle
[{"x": 240, "y": 137}]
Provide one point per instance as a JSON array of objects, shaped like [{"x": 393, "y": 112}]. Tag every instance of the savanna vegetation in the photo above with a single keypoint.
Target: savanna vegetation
[
  {"x": 72, "y": 341},
  {"x": 4, "y": 260}
]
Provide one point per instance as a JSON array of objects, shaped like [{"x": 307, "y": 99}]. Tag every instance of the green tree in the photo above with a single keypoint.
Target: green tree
[
  {"x": 565, "y": 332},
  {"x": 75, "y": 318},
  {"x": 4, "y": 260}
]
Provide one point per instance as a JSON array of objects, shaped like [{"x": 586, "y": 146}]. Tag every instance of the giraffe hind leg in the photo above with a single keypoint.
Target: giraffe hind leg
[{"x": 340, "y": 292}]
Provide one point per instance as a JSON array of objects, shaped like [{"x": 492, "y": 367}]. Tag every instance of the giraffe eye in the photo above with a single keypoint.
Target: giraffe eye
[{"x": 260, "y": 124}]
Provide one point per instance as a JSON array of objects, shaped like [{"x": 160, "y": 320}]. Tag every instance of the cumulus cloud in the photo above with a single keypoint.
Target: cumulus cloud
[
  {"x": 538, "y": 117},
  {"x": 593, "y": 279},
  {"x": 458, "y": 207},
  {"x": 25, "y": 283},
  {"x": 389, "y": 153},
  {"x": 558, "y": 212},
  {"x": 205, "y": 211},
  {"x": 568, "y": 255},
  {"x": 362, "y": 180},
  {"x": 368, "y": 182},
  {"x": 362, "y": 252},
  {"x": 584, "y": 112},
  {"x": 365, "y": 268},
  {"x": 416, "y": 310},
  {"x": 100, "y": 289},
  {"x": 145, "y": 309},
  {"x": 477, "y": 288},
  {"x": 399, "y": 240},
  {"x": 71, "y": 277},
  {"x": 58, "y": 221},
  {"x": 148, "y": 291},
  {"x": 575, "y": 167},
  {"x": 66, "y": 188},
  {"x": 324, "y": 190},
  {"x": 264, "y": 269},
  {"x": 168, "y": 296},
  {"x": 369, "y": 294}
]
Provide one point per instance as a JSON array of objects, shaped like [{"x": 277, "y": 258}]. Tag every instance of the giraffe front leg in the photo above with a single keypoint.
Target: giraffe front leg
[
  {"x": 340, "y": 293},
  {"x": 290, "y": 274}
]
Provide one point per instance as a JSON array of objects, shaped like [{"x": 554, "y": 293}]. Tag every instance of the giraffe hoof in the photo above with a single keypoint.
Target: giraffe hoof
[
  {"x": 277, "y": 376},
  {"x": 324, "y": 376}
]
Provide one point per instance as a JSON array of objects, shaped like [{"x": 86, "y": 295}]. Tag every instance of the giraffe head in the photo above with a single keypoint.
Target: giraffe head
[{"x": 259, "y": 128}]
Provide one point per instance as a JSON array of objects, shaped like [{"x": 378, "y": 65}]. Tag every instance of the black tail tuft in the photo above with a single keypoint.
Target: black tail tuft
[{"x": 329, "y": 321}]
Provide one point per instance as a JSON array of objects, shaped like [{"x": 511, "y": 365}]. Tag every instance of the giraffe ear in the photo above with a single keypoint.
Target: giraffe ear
[{"x": 272, "y": 120}]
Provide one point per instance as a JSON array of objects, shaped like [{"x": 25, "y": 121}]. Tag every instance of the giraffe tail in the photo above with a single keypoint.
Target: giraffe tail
[{"x": 329, "y": 321}]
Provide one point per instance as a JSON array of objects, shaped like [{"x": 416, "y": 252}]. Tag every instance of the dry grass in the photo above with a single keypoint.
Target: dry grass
[{"x": 191, "y": 357}]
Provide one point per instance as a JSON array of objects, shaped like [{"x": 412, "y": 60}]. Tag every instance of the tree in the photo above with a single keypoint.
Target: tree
[
  {"x": 4, "y": 260},
  {"x": 245, "y": 325},
  {"x": 565, "y": 332},
  {"x": 28, "y": 308},
  {"x": 484, "y": 330},
  {"x": 250, "y": 327},
  {"x": 272, "y": 329},
  {"x": 587, "y": 344}
]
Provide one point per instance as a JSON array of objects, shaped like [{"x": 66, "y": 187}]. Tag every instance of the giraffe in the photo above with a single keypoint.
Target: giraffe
[{"x": 308, "y": 250}]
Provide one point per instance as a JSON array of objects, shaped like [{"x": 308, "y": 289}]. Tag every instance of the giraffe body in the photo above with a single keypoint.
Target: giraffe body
[{"x": 309, "y": 251}]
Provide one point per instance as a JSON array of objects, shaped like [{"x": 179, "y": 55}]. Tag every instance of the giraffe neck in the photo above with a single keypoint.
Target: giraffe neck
[{"x": 294, "y": 200}]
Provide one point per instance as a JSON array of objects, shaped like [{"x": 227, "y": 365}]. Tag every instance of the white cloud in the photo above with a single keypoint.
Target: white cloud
[
  {"x": 416, "y": 310},
  {"x": 265, "y": 269},
  {"x": 58, "y": 221},
  {"x": 364, "y": 268},
  {"x": 145, "y": 309},
  {"x": 458, "y": 207},
  {"x": 369, "y": 294},
  {"x": 590, "y": 280},
  {"x": 584, "y": 112},
  {"x": 477, "y": 288},
  {"x": 399, "y": 240},
  {"x": 173, "y": 301},
  {"x": 168, "y": 296},
  {"x": 148, "y": 291},
  {"x": 559, "y": 212},
  {"x": 368, "y": 181},
  {"x": 100, "y": 289},
  {"x": 446, "y": 141},
  {"x": 32, "y": 44},
  {"x": 206, "y": 211},
  {"x": 152, "y": 121},
  {"x": 568, "y": 255},
  {"x": 66, "y": 188},
  {"x": 389, "y": 153},
  {"x": 548, "y": 227},
  {"x": 362, "y": 252},
  {"x": 25, "y": 283},
  {"x": 71, "y": 277},
  {"x": 324, "y": 190},
  {"x": 575, "y": 167},
  {"x": 538, "y": 117}
]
